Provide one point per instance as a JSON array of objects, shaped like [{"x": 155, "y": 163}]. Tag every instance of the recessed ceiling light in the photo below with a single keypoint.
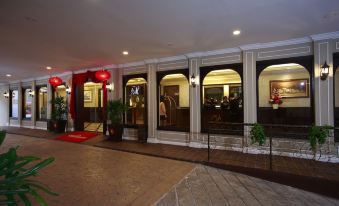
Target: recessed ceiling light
[
  {"x": 236, "y": 32},
  {"x": 8, "y": 75},
  {"x": 48, "y": 68},
  {"x": 125, "y": 53}
]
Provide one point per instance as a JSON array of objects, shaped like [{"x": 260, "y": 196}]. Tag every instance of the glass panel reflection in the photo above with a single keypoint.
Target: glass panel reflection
[
  {"x": 135, "y": 98},
  {"x": 174, "y": 102}
]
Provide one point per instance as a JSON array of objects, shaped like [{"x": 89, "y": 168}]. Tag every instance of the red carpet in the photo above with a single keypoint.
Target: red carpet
[{"x": 77, "y": 136}]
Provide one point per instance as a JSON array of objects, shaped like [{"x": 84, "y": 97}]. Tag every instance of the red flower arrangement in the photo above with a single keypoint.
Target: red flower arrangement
[{"x": 276, "y": 98}]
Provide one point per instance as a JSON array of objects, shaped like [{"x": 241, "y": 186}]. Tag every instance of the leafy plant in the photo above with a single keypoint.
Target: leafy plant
[
  {"x": 317, "y": 136},
  {"x": 59, "y": 110},
  {"x": 115, "y": 110},
  {"x": 257, "y": 134},
  {"x": 15, "y": 184}
]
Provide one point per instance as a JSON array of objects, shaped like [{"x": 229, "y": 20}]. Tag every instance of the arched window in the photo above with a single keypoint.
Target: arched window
[
  {"x": 284, "y": 95},
  {"x": 41, "y": 103},
  {"x": 27, "y": 101},
  {"x": 173, "y": 102},
  {"x": 135, "y": 96},
  {"x": 222, "y": 97}
]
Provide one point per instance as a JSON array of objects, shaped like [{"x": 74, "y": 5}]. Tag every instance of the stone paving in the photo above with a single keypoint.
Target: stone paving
[
  {"x": 209, "y": 186},
  {"x": 86, "y": 175}
]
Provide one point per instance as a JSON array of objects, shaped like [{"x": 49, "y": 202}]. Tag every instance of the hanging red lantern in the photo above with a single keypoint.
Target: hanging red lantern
[
  {"x": 102, "y": 75},
  {"x": 55, "y": 81}
]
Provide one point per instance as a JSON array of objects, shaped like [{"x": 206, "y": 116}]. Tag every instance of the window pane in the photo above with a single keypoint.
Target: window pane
[
  {"x": 222, "y": 98},
  {"x": 15, "y": 104},
  {"x": 28, "y": 99},
  {"x": 336, "y": 108},
  {"x": 284, "y": 95},
  {"x": 174, "y": 102},
  {"x": 60, "y": 91},
  {"x": 42, "y": 103},
  {"x": 135, "y": 98}
]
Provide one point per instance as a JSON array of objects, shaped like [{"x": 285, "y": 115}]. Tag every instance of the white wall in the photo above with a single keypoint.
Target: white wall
[
  {"x": 264, "y": 88},
  {"x": 3, "y": 107}
]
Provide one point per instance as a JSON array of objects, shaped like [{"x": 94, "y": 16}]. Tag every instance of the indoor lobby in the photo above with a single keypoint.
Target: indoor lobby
[{"x": 169, "y": 102}]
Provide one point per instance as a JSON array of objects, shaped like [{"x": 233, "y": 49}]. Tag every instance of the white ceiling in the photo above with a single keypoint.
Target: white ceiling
[{"x": 74, "y": 34}]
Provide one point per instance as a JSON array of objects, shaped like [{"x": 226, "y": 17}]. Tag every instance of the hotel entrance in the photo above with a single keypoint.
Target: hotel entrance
[{"x": 90, "y": 107}]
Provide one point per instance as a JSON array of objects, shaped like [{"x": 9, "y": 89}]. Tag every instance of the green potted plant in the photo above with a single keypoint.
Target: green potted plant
[
  {"x": 257, "y": 134},
  {"x": 16, "y": 172},
  {"x": 115, "y": 110},
  {"x": 58, "y": 120},
  {"x": 317, "y": 136}
]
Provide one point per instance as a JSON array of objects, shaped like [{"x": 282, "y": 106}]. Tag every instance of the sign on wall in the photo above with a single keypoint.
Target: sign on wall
[{"x": 293, "y": 88}]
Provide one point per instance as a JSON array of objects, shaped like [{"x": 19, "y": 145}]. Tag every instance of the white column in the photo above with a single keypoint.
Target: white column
[
  {"x": 20, "y": 98},
  {"x": 195, "y": 111},
  {"x": 33, "y": 108},
  {"x": 152, "y": 101},
  {"x": 250, "y": 91},
  {"x": 49, "y": 99},
  {"x": 323, "y": 89}
]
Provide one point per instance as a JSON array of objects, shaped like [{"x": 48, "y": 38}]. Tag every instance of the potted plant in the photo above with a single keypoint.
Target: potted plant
[
  {"x": 115, "y": 110},
  {"x": 317, "y": 137},
  {"x": 58, "y": 120},
  {"x": 275, "y": 100},
  {"x": 16, "y": 172},
  {"x": 257, "y": 134}
]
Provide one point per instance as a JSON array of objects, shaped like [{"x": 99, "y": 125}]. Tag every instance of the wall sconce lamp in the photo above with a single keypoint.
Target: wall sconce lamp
[
  {"x": 110, "y": 87},
  {"x": 193, "y": 80},
  {"x": 324, "y": 71},
  {"x": 6, "y": 94},
  {"x": 68, "y": 89},
  {"x": 31, "y": 93}
]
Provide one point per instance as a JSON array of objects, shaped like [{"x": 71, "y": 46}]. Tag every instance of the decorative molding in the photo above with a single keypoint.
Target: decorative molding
[
  {"x": 280, "y": 52},
  {"x": 132, "y": 64},
  {"x": 276, "y": 44},
  {"x": 151, "y": 61},
  {"x": 172, "y": 59},
  {"x": 224, "y": 59},
  {"x": 325, "y": 36},
  {"x": 173, "y": 65}
]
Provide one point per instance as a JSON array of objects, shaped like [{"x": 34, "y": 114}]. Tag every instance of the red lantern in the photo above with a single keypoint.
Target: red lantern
[
  {"x": 55, "y": 81},
  {"x": 102, "y": 75}
]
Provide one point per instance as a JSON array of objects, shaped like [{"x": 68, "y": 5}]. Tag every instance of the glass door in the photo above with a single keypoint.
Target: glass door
[{"x": 93, "y": 107}]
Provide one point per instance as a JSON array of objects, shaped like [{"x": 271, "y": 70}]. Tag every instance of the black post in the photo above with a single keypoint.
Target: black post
[
  {"x": 208, "y": 149},
  {"x": 270, "y": 152}
]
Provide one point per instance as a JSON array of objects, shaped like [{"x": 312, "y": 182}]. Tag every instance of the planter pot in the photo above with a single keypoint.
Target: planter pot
[
  {"x": 57, "y": 126},
  {"x": 275, "y": 106},
  {"x": 115, "y": 132},
  {"x": 142, "y": 133}
]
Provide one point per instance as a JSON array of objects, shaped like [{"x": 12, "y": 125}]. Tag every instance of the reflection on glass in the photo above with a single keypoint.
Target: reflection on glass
[
  {"x": 174, "y": 102},
  {"x": 60, "y": 91},
  {"x": 15, "y": 103},
  {"x": 42, "y": 103},
  {"x": 27, "y": 106},
  {"x": 135, "y": 98},
  {"x": 336, "y": 86},
  {"x": 284, "y": 95},
  {"x": 222, "y": 97}
]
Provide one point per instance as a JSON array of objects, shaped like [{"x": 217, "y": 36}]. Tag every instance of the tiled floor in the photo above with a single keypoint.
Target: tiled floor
[
  {"x": 310, "y": 168},
  {"x": 209, "y": 186},
  {"x": 85, "y": 175}
]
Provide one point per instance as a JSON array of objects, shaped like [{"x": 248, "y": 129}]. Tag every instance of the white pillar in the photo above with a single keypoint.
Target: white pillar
[
  {"x": 250, "y": 90},
  {"x": 323, "y": 89},
  {"x": 33, "y": 108},
  {"x": 152, "y": 100},
  {"x": 195, "y": 106}
]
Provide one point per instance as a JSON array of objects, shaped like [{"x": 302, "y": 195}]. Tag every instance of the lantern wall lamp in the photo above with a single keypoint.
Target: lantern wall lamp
[
  {"x": 6, "y": 94},
  {"x": 193, "y": 80},
  {"x": 324, "y": 71},
  {"x": 110, "y": 87},
  {"x": 68, "y": 89}
]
